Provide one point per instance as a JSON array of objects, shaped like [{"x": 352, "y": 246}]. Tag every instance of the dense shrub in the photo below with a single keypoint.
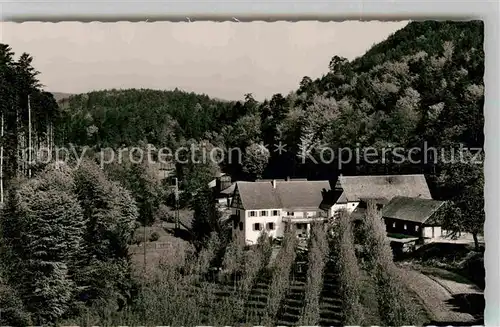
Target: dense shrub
[
  {"x": 348, "y": 270},
  {"x": 154, "y": 237},
  {"x": 169, "y": 297},
  {"x": 142, "y": 181},
  {"x": 12, "y": 310},
  {"x": 256, "y": 259},
  {"x": 242, "y": 264},
  {"x": 265, "y": 246},
  {"x": 396, "y": 306},
  {"x": 318, "y": 251},
  {"x": 280, "y": 276},
  {"x": 204, "y": 258},
  {"x": 206, "y": 219}
]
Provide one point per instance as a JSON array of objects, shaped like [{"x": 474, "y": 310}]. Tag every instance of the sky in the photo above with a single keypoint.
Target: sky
[{"x": 224, "y": 60}]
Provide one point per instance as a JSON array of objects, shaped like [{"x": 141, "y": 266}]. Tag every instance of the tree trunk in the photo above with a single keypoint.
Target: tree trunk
[
  {"x": 1, "y": 166},
  {"x": 17, "y": 167},
  {"x": 29, "y": 138},
  {"x": 52, "y": 142},
  {"x": 47, "y": 136},
  {"x": 30, "y": 143},
  {"x": 476, "y": 241}
]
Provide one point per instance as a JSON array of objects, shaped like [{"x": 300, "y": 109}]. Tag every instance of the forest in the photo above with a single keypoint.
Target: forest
[{"x": 65, "y": 229}]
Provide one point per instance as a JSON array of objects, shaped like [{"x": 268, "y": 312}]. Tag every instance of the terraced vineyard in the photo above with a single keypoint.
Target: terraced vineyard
[
  {"x": 255, "y": 307},
  {"x": 330, "y": 304},
  {"x": 290, "y": 307},
  {"x": 271, "y": 285}
]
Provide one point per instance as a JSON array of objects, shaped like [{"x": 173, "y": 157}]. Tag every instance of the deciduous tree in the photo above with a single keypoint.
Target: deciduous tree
[{"x": 255, "y": 160}]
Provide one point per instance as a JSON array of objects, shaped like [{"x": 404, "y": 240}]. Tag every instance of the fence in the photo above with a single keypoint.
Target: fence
[{"x": 150, "y": 247}]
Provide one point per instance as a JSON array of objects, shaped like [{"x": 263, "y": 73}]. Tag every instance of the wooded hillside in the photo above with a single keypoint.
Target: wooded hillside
[
  {"x": 421, "y": 88},
  {"x": 423, "y": 84}
]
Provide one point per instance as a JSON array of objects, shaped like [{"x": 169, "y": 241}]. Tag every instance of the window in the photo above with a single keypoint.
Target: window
[
  {"x": 270, "y": 226},
  {"x": 252, "y": 214},
  {"x": 290, "y": 213},
  {"x": 241, "y": 225},
  {"x": 263, "y": 213},
  {"x": 416, "y": 228},
  {"x": 393, "y": 225},
  {"x": 256, "y": 226},
  {"x": 353, "y": 204},
  {"x": 405, "y": 227},
  {"x": 299, "y": 226},
  {"x": 275, "y": 213}
]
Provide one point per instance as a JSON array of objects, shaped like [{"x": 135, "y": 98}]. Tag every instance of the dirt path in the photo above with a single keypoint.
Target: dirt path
[{"x": 446, "y": 300}]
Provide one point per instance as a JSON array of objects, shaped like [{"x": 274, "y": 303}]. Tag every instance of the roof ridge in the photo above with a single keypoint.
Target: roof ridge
[
  {"x": 383, "y": 175},
  {"x": 416, "y": 199},
  {"x": 303, "y": 180}
]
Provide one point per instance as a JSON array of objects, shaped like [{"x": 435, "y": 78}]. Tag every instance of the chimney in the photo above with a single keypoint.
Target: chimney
[
  {"x": 338, "y": 184},
  {"x": 274, "y": 183},
  {"x": 218, "y": 184}
]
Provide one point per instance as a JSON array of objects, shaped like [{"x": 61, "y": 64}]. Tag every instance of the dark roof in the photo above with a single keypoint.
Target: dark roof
[
  {"x": 258, "y": 195},
  {"x": 229, "y": 190},
  {"x": 411, "y": 209},
  {"x": 386, "y": 187},
  {"x": 382, "y": 201},
  {"x": 304, "y": 194},
  {"x": 301, "y": 194},
  {"x": 292, "y": 194}
]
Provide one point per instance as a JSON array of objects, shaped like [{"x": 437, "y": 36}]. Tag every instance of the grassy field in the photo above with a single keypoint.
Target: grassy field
[
  {"x": 458, "y": 258},
  {"x": 166, "y": 249}
]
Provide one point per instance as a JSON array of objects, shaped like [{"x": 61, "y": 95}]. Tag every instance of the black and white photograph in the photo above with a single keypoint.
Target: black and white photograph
[{"x": 204, "y": 173}]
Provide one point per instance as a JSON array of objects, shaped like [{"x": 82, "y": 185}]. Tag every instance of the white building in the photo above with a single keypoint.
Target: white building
[{"x": 270, "y": 205}]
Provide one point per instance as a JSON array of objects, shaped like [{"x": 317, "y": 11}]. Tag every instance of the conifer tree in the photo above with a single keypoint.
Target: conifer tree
[
  {"x": 206, "y": 218},
  {"x": 44, "y": 240},
  {"x": 109, "y": 210},
  {"x": 110, "y": 214}
]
